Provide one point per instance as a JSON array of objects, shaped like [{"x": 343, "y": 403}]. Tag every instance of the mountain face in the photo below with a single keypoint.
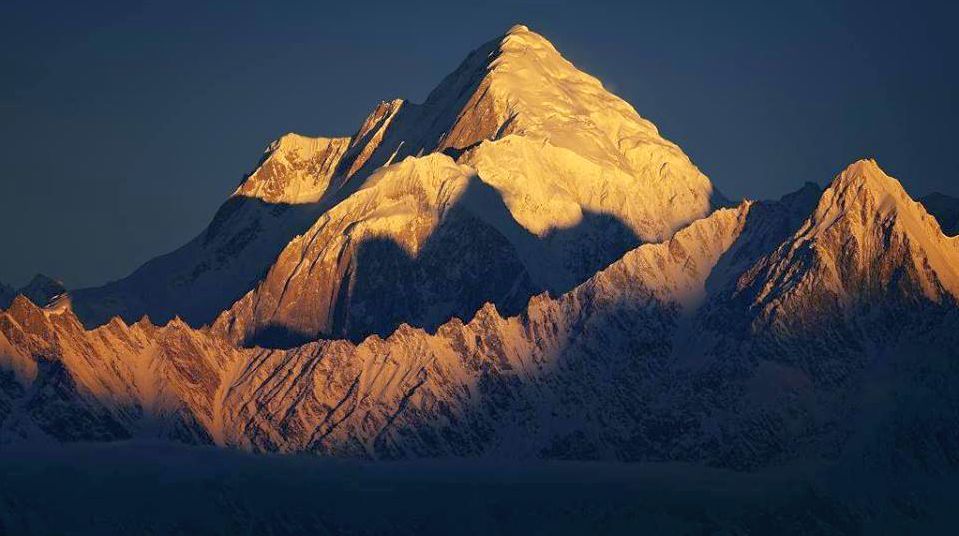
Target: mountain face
[
  {"x": 196, "y": 282},
  {"x": 519, "y": 267},
  {"x": 818, "y": 327},
  {"x": 41, "y": 290},
  {"x": 518, "y": 174},
  {"x": 946, "y": 209}
]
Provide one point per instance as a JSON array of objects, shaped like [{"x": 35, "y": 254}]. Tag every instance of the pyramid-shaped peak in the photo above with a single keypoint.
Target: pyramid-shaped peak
[
  {"x": 865, "y": 166},
  {"x": 23, "y": 310},
  {"x": 866, "y": 204},
  {"x": 520, "y": 35},
  {"x": 864, "y": 184},
  {"x": 42, "y": 289},
  {"x": 520, "y": 52},
  {"x": 863, "y": 200},
  {"x": 866, "y": 173},
  {"x": 519, "y": 83},
  {"x": 43, "y": 279},
  {"x": 528, "y": 50},
  {"x": 866, "y": 235}
]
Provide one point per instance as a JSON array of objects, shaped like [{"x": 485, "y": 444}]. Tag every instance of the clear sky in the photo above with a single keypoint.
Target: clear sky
[{"x": 124, "y": 125}]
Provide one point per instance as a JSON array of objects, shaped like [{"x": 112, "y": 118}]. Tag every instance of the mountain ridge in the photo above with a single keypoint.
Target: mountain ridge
[
  {"x": 574, "y": 166},
  {"x": 878, "y": 214},
  {"x": 41, "y": 289},
  {"x": 601, "y": 372},
  {"x": 520, "y": 267}
]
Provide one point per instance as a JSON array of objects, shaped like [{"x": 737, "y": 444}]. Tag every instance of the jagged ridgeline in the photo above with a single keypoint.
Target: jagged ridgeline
[
  {"x": 519, "y": 174},
  {"x": 519, "y": 267}
]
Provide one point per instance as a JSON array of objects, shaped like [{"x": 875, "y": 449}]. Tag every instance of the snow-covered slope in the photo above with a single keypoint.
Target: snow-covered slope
[
  {"x": 866, "y": 238},
  {"x": 518, "y": 174},
  {"x": 119, "y": 380},
  {"x": 197, "y": 281},
  {"x": 113, "y": 382},
  {"x": 297, "y": 170},
  {"x": 583, "y": 295},
  {"x": 820, "y": 326}
]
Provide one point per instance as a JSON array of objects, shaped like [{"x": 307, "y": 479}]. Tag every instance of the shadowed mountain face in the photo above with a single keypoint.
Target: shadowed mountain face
[
  {"x": 518, "y": 174},
  {"x": 445, "y": 262},
  {"x": 819, "y": 327},
  {"x": 40, "y": 290},
  {"x": 198, "y": 280}
]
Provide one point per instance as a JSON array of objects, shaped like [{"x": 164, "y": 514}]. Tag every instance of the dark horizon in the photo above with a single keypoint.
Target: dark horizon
[{"x": 125, "y": 125}]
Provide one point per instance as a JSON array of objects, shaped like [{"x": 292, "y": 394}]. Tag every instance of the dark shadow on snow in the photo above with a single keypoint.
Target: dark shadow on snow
[{"x": 477, "y": 254}]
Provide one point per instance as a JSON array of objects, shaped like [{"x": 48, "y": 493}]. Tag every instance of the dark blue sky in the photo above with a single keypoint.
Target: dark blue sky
[{"x": 123, "y": 125}]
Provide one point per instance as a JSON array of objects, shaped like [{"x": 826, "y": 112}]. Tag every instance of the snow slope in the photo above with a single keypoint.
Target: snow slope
[
  {"x": 555, "y": 178},
  {"x": 197, "y": 281},
  {"x": 760, "y": 335},
  {"x": 518, "y": 174}
]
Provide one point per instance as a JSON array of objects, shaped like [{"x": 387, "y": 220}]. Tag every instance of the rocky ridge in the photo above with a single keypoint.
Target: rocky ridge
[{"x": 761, "y": 334}]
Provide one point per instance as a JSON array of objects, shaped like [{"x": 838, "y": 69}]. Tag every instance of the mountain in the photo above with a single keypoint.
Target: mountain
[
  {"x": 199, "y": 280},
  {"x": 818, "y": 327},
  {"x": 41, "y": 290},
  {"x": 946, "y": 209},
  {"x": 518, "y": 174},
  {"x": 841, "y": 336},
  {"x": 867, "y": 237}
]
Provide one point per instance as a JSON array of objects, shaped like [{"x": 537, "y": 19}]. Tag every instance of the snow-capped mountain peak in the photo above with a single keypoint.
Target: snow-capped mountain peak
[
  {"x": 866, "y": 235},
  {"x": 520, "y": 83},
  {"x": 863, "y": 185},
  {"x": 574, "y": 178},
  {"x": 516, "y": 156},
  {"x": 295, "y": 169}
]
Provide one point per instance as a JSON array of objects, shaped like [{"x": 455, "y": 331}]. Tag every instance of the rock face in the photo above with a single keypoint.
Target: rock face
[{"x": 820, "y": 326}]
